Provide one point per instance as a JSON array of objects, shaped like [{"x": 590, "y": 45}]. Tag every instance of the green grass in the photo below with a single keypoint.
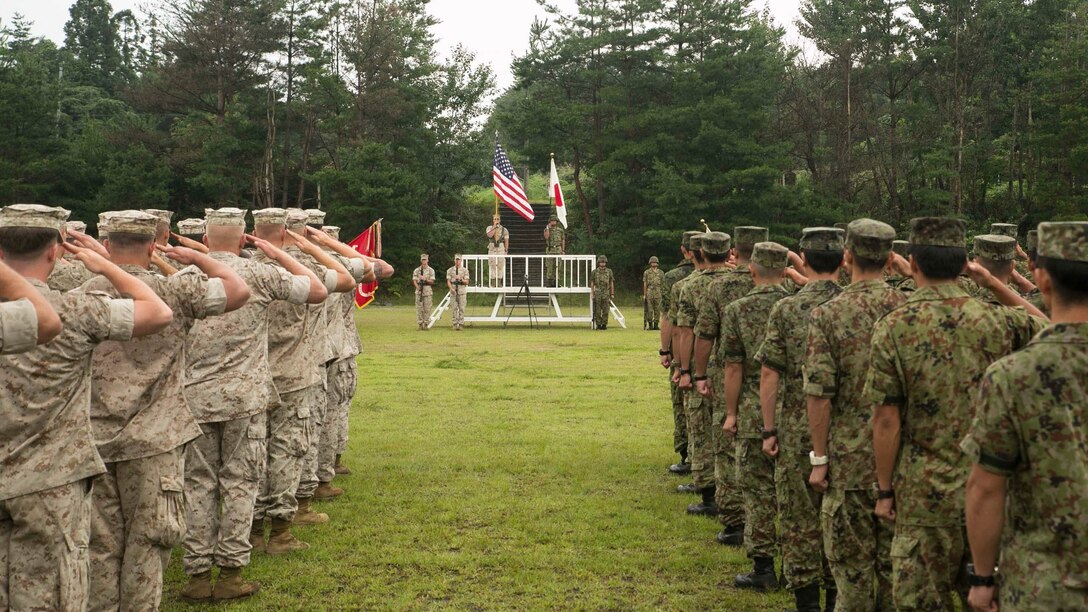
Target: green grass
[{"x": 505, "y": 468}]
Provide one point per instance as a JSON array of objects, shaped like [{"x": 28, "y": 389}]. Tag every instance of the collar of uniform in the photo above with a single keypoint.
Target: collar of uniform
[
  {"x": 820, "y": 285},
  {"x": 742, "y": 269},
  {"x": 866, "y": 285},
  {"x": 222, "y": 255},
  {"x": 134, "y": 270},
  {"x": 943, "y": 291},
  {"x": 776, "y": 288},
  {"x": 40, "y": 285},
  {"x": 716, "y": 271},
  {"x": 684, "y": 262},
  {"x": 1063, "y": 333}
]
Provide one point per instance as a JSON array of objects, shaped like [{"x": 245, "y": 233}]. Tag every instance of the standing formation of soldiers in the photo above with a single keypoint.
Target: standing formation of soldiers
[
  {"x": 155, "y": 395},
  {"x": 879, "y": 413}
]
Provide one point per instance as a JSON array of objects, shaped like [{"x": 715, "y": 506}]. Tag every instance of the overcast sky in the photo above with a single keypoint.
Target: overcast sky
[{"x": 495, "y": 30}]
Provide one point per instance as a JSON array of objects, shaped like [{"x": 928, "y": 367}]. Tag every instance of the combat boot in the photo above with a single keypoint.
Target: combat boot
[
  {"x": 731, "y": 536},
  {"x": 808, "y": 598},
  {"x": 305, "y": 515},
  {"x": 687, "y": 488},
  {"x": 340, "y": 468},
  {"x": 199, "y": 587},
  {"x": 230, "y": 585},
  {"x": 761, "y": 577},
  {"x": 707, "y": 507},
  {"x": 326, "y": 490},
  {"x": 280, "y": 539},
  {"x": 680, "y": 469},
  {"x": 256, "y": 536}
]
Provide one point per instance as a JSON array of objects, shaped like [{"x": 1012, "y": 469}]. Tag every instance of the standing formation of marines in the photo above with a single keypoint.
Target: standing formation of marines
[
  {"x": 179, "y": 395},
  {"x": 880, "y": 413}
]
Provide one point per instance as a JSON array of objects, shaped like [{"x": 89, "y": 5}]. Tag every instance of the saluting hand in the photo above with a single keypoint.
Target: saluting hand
[
  {"x": 91, "y": 258},
  {"x": 190, "y": 243},
  {"x": 86, "y": 242},
  {"x": 980, "y": 275},
  {"x": 182, "y": 255}
]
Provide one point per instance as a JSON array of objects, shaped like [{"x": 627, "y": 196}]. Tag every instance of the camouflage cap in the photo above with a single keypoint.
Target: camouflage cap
[
  {"x": 332, "y": 230},
  {"x": 77, "y": 226},
  {"x": 423, "y": 256},
  {"x": 870, "y": 239},
  {"x": 654, "y": 260},
  {"x": 315, "y": 216},
  {"x": 103, "y": 223},
  {"x": 695, "y": 242},
  {"x": 602, "y": 259},
  {"x": 716, "y": 243},
  {"x": 996, "y": 247},
  {"x": 686, "y": 240},
  {"x": 225, "y": 216},
  {"x": 748, "y": 235},
  {"x": 1067, "y": 241},
  {"x": 770, "y": 255},
  {"x": 192, "y": 226},
  {"x": 901, "y": 247},
  {"x": 553, "y": 216},
  {"x": 33, "y": 215},
  {"x": 1004, "y": 229},
  {"x": 938, "y": 231},
  {"x": 162, "y": 215},
  {"x": 1032, "y": 241},
  {"x": 296, "y": 218},
  {"x": 457, "y": 256},
  {"x": 270, "y": 216},
  {"x": 132, "y": 222},
  {"x": 822, "y": 239}
]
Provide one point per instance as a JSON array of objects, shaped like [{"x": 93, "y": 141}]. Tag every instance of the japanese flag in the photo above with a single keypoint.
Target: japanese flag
[{"x": 556, "y": 192}]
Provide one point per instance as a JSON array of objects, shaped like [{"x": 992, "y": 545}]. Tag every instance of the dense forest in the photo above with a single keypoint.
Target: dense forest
[{"x": 661, "y": 112}]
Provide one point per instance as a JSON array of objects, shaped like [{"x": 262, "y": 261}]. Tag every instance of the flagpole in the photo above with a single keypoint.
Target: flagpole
[
  {"x": 551, "y": 188},
  {"x": 493, "y": 188}
]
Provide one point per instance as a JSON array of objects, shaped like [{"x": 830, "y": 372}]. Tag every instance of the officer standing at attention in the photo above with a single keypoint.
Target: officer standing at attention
[
  {"x": 457, "y": 280},
  {"x": 1025, "y": 495},
  {"x": 679, "y": 418},
  {"x": 556, "y": 238},
  {"x": 602, "y": 288},
  {"x": 498, "y": 244},
  {"x": 423, "y": 281},
  {"x": 653, "y": 281}
]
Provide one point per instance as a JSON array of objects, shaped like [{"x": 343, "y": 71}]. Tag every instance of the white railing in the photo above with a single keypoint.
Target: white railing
[{"x": 572, "y": 273}]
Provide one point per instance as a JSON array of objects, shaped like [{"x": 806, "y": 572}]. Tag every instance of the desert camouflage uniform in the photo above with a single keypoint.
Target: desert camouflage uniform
[
  {"x": 743, "y": 325},
  {"x": 47, "y": 454},
  {"x": 856, "y": 543},
  {"x": 783, "y": 351},
  {"x": 601, "y": 281},
  {"x": 924, "y": 356},
  {"x": 496, "y": 251},
  {"x": 556, "y": 236},
  {"x": 679, "y": 417},
  {"x": 347, "y": 376},
  {"x": 297, "y": 351},
  {"x": 654, "y": 280},
  {"x": 141, "y": 420},
  {"x": 1031, "y": 428},
  {"x": 424, "y": 295},
  {"x": 68, "y": 274},
  {"x": 228, "y": 383},
  {"x": 725, "y": 290},
  {"x": 459, "y": 279},
  {"x": 18, "y": 326}
]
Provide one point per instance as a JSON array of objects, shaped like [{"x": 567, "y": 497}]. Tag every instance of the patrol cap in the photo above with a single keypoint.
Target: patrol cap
[
  {"x": 224, "y": 216},
  {"x": 770, "y": 255},
  {"x": 162, "y": 215},
  {"x": 192, "y": 226},
  {"x": 602, "y": 259},
  {"x": 270, "y": 216},
  {"x": 716, "y": 243},
  {"x": 749, "y": 235},
  {"x": 78, "y": 226},
  {"x": 33, "y": 215},
  {"x": 332, "y": 230},
  {"x": 103, "y": 223},
  {"x": 1067, "y": 241},
  {"x": 654, "y": 260},
  {"x": 1004, "y": 229},
  {"x": 132, "y": 222},
  {"x": 686, "y": 240},
  {"x": 553, "y": 217},
  {"x": 870, "y": 239},
  {"x": 296, "y": 218},
  {"x": 996, "y": 247},
  {"x": 457, "y": 256},
  {"x": 315, "y": 216},
  {"x": 822, "y": 239},
  {"x": 423, "y": 256},
  {"x": 938, "y": 231},
  {"x": 902, "y": 247},
  {"x": 1032, "y": 242}
]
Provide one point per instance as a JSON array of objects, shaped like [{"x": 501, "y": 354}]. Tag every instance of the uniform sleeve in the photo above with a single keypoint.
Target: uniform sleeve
[
  {"x": 356, "y": 267},
  {"x": 18, "y": 326},
  {"x": 279, "y": 284},
  {"x": 195, "y": 296},
  {"x": 993, "y": 440},
  {"x": 330, "y": 279},
  {"x": 99, "y": 316},
  {"x": 819, "y": 370},
  {"x": 731, "y": 341},
  {"x": 772, "y": 353},
  {"x": 882, "y": 384},
  {"x": 707, "y": 317},
  {"x": 685, "y": 308}
]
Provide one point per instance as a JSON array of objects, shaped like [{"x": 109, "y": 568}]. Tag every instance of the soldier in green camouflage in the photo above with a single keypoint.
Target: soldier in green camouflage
[
  {"x": 785, "y": 424},
  {"x": 1011, "y": 230},
  {"x": 679, "y": 417},
  {"x": 555, "y": 238},
  {"x": 923, "y": 356},
  {"x": 744, "y": 323},
  {"x": 653, "y": 280},
  {"x": 997, "y": 254},
  {"x": 602, "y": 288},
  {"x": 1035, "y": 297},
  {"x": 1026, "y": 492},
  {"x": 836, "y": 362},
  {"x": 708, "y": 331}
]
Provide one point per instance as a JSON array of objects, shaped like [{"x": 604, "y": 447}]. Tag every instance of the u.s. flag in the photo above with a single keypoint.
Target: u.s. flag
[{"x": 507, "y": 186}]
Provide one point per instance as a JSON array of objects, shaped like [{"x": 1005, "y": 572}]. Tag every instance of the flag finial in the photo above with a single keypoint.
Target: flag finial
[{"x": 707, "y": 227}]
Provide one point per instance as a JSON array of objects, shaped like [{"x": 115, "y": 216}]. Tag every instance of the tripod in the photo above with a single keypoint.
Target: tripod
[{"x": 528, "y": 302}]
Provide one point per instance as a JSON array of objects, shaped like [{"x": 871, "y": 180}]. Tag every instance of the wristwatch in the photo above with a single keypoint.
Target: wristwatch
[
  {"x": 884, "y": 493},
  {"x": 698, "y": 378},
  {"x": 684, "y": 372},
  {"x": 813, "y": 460},
  {"x": 663, "y": 353},
  {"x": 975, "y": 580},
  {"x": 769, "y": 433}
]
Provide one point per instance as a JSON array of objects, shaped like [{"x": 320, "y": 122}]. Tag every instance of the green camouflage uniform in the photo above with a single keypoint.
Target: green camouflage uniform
[
  {"x": 654, "y": 280},
  {"x": 924, "y": 355},
  {"x": 556, "y": 235},
  {"x": 783, "y": 350},
  {"x": 679, "y": 417},
  {"x": 857, "y": 544},
  {"x": 601, "y": 280},
  {"x": 744, "y": 323}
]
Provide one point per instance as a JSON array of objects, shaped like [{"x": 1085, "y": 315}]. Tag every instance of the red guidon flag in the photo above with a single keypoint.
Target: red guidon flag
[
  {"x": 557, "y": 194},
  {"x": 368, "y": 243}
]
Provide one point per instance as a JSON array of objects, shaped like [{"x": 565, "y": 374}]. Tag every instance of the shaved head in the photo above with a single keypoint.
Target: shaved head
[
  {"x": 275, "y": 233},
  {"x": 225, "y": 237}
]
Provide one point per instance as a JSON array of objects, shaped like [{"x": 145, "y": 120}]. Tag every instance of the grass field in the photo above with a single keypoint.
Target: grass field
[{"x": 505, "y": 469}]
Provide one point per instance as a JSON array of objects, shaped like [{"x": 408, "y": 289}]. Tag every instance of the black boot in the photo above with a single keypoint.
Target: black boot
[
  {"x": 687, "y": 488},
  {"x": 761, "y": 577},
  {"x": 731, "y": 536},
  {"x": 682, "y": 468},
  {"x": 707, "y": 507},
  {"x": 830, "y": 594},
  {"x": 808, "y": 598}
]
